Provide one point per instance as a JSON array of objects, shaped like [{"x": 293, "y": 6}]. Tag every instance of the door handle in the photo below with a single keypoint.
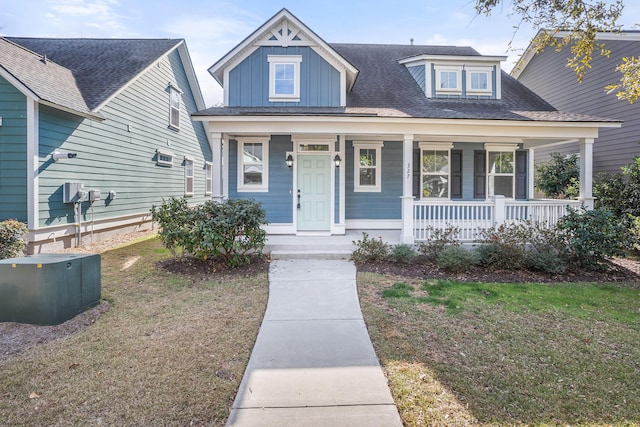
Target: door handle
[{"x": 298, "y": 198}]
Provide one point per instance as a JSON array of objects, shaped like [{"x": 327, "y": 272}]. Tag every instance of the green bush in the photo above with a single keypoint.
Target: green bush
[
  {"x": 441, "y": 239},
  {"x": 231, "y": 230},
  {"x": 592, "y": 236},
  {"x": 559, "y": 177},
  {"x": 12, "y": 241},
  {"x": 505, "y": 247},
  {"x": 370, "y": 250},
  {"x": 402, "y": 254},
  {"x": 456, "y": 259}
]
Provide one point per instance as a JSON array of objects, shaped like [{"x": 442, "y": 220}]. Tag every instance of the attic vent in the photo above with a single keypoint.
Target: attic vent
[{"x": 44, "y": 59}]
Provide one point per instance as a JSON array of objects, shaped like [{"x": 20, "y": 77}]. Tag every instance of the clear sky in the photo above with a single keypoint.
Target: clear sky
[{"x": 211, "y": 28}]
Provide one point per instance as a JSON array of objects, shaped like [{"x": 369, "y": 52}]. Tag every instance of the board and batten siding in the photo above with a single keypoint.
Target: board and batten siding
[
  {"x": 119, "y": 153},
  {"x": 278, "y": 201},
  {"x": 383, "y": 205},
  {"x": 248, "y": 84},
  {"x": 547, "y": 75},
  {"x": 13, "y": 153}
]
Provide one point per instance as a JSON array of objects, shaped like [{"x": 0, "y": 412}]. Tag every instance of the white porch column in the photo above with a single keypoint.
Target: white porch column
[
  {"x": 407, "y": 190},
  {"x": 586, "y": 173},
  {"x": 217, "y": 194},
  {"x": 531, "y": 192}
]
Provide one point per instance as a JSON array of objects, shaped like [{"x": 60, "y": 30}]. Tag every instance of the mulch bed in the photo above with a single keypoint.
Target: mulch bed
[
  {"x": 621, "y": 270},
  {"x": 214, "y": 268}
]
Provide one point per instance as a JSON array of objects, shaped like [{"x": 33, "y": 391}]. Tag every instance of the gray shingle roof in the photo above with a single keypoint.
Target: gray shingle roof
[
  {"x": 385, "y": 88},
  {"x": 100, "y": 67},
  {"x": 47, "y": 80}
]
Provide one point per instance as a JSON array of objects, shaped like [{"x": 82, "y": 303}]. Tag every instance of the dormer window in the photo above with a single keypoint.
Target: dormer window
[
  {"x": 478, "y": 80},
  {"x": 284, "y": 78},
  {"x": 448, "y": 79}
]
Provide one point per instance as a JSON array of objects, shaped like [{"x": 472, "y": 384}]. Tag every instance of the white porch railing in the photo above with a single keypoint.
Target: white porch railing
[{"x": 471, "y": 218}]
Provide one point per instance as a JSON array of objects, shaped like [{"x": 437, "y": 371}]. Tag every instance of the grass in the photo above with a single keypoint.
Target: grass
[
  {"x": 171, "y": 350},
  {"x": 507, "y": 354}
]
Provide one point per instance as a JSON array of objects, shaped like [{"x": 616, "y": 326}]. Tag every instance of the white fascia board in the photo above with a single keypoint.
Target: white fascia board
[
  {"x": 191, "y": 75},
  {"x": 141, "y": 73},
  {"x": 459, "y": 129},
  {"x": 452, "y": 59},
  {"x": 33, "y": 166}
]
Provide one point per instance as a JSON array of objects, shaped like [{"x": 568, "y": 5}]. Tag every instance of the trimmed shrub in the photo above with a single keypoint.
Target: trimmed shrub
[
  {"x": 402, "y": 254},
  {"x": 12, "y": 241},
  {"x": 455, "y": 259},
  {"x": 505, "y": 247},
  {"x": 592, "y": 236},
  {"x": 231, "y": 230},
  {"x": 370, "y": 250},
  {"x": 441, "y": 239}
]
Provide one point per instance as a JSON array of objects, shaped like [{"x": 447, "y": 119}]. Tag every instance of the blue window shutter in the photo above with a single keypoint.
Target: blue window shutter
[
  {"x": 479, "y": 174},
  {"x": 521, "y": 174},
  {"x": 456, "y": 174}
]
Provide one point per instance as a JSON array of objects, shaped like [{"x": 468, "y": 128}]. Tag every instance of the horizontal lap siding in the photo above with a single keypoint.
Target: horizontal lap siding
[
  {"x": 382, "y": 205},
  {"x": 277, "y": 202},
  {"x": 13, "y": 153},
  {"x": 111, "y": 158},
  {"x": 249, "y": 81},
  {"x": 547, "y": 75}
]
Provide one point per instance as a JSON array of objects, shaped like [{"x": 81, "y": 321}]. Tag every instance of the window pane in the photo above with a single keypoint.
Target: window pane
[
  {"x": 253, "y": 174},
  {"x": 479, "y": 81},
  {"x": 435, "y": 186},
  {"x": 252, "y": 153},
  {"x": 367, "y": 157},
  {"x": 501, "y": 185},
  {"x": 448, "y": 80},
  {"x": 435, "y": 161},
  {"x": 501, "y": 162},
  {"x": 368, "y": 176},
  {"x": 284, "y": 79}
]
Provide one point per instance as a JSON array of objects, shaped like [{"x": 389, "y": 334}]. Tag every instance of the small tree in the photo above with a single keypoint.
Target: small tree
[{"x": 559, "y": 177}]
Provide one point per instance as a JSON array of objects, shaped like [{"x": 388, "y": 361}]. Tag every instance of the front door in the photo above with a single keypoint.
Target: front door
[{"x": 314, "y": 192}]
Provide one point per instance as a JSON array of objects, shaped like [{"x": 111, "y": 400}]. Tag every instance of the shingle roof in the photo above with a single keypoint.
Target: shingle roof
[
  {"x": 100, "y": 67},
  {"x": 46, "y": 79},
  {"x": 385, "y": 88}
]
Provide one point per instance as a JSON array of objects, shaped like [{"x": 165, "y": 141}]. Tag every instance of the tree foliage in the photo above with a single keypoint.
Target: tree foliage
[
  {"x": 559, "y": 177},
  {"x": 575, "y": 24}
]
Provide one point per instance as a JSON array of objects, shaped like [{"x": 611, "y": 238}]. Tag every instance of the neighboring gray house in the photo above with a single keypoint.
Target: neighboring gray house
[
  {"x": 335, "y": 137},
  {"x": 93, "y": 132},
  {"x": 547, "y": 75}
]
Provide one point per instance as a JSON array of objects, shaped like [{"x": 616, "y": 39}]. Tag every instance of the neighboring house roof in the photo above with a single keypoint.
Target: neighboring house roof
[
  {"x": 385, "y": 88},
  {"x": 97, "y": 69},
  {"x": 529, "y": 53}
]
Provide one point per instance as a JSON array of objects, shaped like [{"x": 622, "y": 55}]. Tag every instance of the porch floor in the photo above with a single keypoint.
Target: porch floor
[{"x": 287, "y": 246}]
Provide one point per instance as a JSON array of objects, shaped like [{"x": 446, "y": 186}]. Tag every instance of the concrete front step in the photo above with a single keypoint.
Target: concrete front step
[{"x": 330, "y": 254}]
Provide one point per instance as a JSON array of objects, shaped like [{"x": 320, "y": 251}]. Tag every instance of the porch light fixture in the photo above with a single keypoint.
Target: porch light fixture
[
  {"x": 337, "y": 160},
  {"x": 289, "y": 160}
]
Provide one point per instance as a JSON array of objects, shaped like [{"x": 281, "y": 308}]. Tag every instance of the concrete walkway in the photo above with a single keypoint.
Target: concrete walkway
[{"x": 313, "y": 363}]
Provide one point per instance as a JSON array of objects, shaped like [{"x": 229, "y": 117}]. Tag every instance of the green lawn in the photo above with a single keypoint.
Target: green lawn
[
  {"x": 507, "y": 354},
  {"x": 171, "y": 350}
]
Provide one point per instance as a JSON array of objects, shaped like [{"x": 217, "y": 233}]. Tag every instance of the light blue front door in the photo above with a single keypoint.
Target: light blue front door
[{"x": 314, "y": 192}]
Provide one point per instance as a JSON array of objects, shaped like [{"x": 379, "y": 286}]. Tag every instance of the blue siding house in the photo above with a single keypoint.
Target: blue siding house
[
  {"x": 334, "y": 137},
  {"x": 93, "y": 132}
]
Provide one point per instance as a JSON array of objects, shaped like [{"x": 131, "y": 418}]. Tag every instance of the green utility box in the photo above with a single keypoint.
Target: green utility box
[{"x": 48, "y": 289}]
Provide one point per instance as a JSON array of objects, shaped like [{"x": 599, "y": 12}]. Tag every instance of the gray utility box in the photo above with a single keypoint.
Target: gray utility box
[{"x": 48, "y": 289}]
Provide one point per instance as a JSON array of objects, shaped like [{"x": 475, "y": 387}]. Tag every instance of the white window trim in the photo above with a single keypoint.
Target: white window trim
[
  {"x": 486, "y": 70},
  {"x": 208, "y": 178},
  {"x": 357, "y": 146},
  {"x": 264, "y": 187},
  {"x": 160, "y": 152},
  {"x": 494, "y": 148},
  {"x": 172, "y": 90},
  {"x": 452, "y": 68},
  {"x": 436, "y": 146},
  {"x": 284, "y": 59},
  {"x": 187, "y": 177}
]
